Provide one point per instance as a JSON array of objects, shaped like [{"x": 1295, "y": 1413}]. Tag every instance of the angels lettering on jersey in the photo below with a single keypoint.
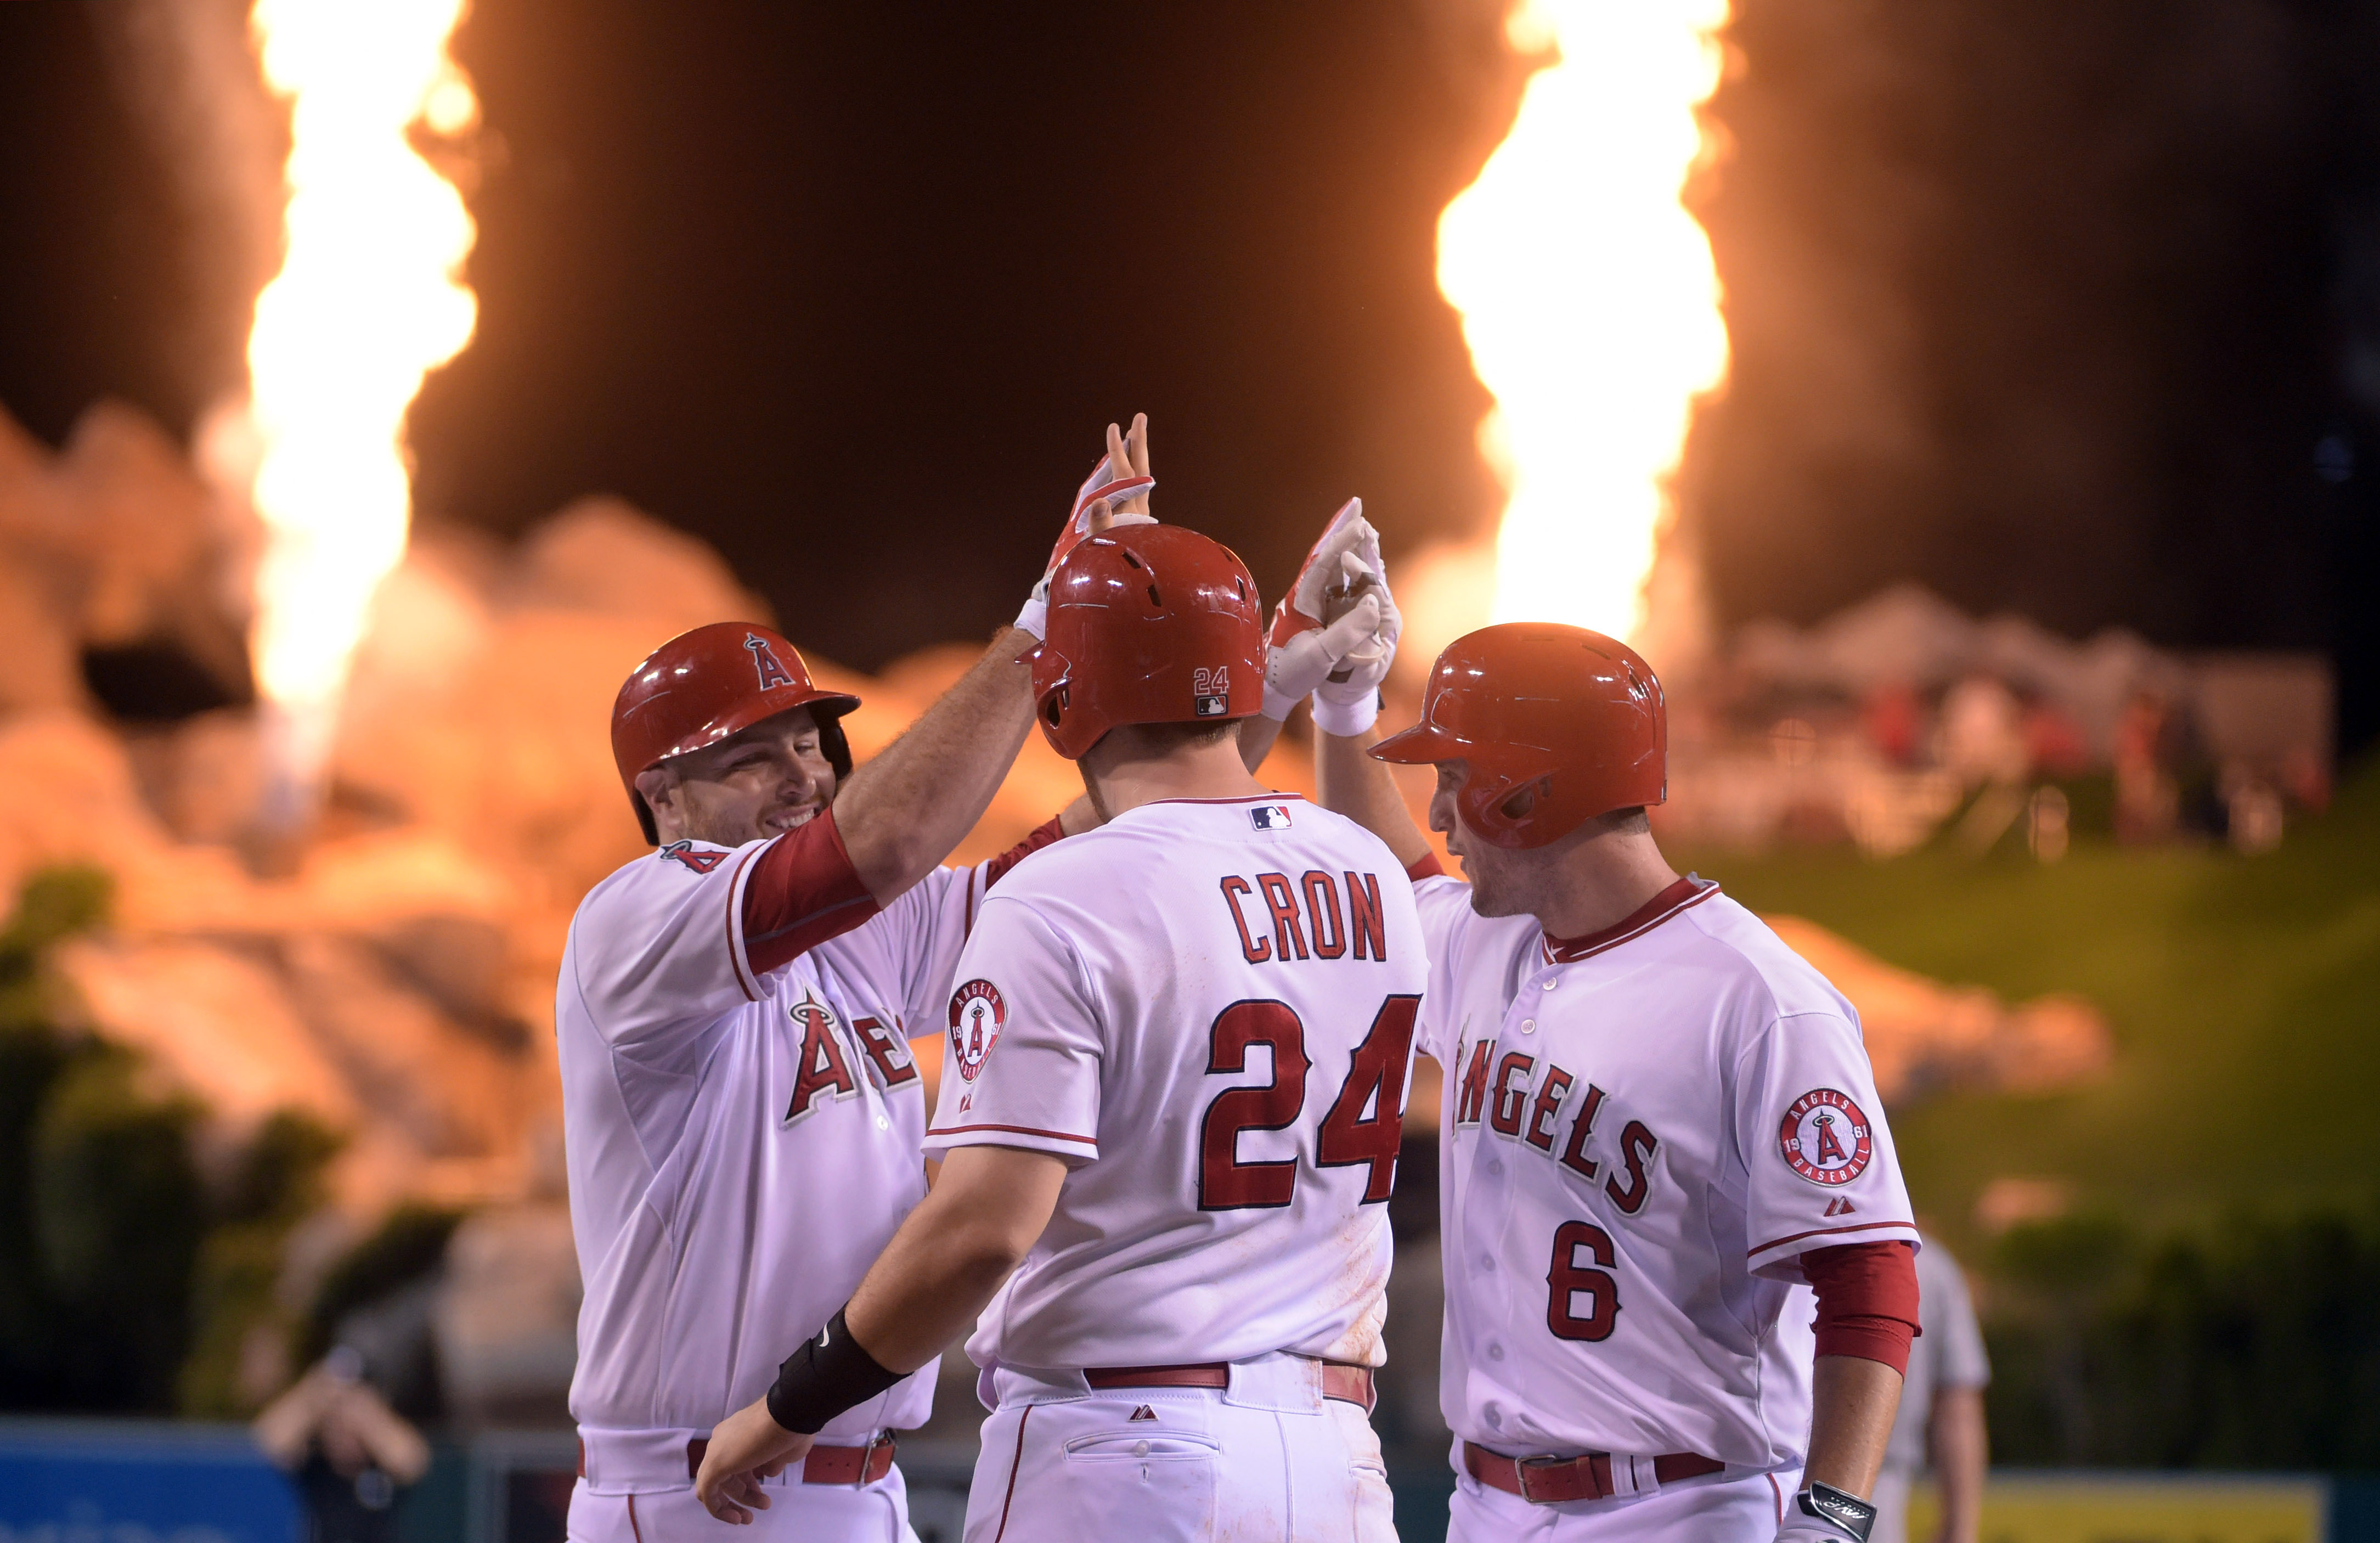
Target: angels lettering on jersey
[
  {"x": 1521, "y": 1101},
  {"x": 825, "y": 1072}
]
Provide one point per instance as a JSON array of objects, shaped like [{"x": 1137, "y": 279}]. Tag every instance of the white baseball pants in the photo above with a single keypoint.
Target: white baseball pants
[
  {"x": 1716, "y": 1508},
  {"x": 1267, "y": 1457},
  {"x": 875, "y": 1513}
]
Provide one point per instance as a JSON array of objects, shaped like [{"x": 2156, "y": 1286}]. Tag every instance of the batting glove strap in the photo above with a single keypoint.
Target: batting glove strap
[
  {"x": 825, "y": 1376},
  {"x": 1823, "y": 1513}
]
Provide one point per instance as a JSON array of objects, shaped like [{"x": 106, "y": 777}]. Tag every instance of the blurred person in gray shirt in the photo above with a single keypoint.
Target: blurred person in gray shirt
[{"x": 1942, "y": 1418}]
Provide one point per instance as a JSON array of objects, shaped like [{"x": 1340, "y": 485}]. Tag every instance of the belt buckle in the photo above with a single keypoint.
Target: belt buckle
[{"x": 1521, "y": 1473}]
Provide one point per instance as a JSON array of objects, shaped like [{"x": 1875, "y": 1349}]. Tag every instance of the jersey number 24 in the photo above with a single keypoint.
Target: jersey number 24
[{"x": 1375, "y": 1079}]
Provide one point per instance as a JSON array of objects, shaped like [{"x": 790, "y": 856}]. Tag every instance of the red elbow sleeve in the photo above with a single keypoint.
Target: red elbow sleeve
[
  {"x": 1048, "y": 831},
  {"x": 1427, "y": 866},
  {"x": 1867, "y": 1300},
  {"x": 803, "y": 891}
]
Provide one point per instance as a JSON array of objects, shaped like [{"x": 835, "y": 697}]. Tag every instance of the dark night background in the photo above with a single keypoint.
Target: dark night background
[{"x": 2070, "y": 309}]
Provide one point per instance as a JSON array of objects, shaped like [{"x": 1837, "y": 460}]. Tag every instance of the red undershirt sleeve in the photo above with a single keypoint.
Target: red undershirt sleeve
[
  {"x": 802, "y": 890},
  {"x": 1427, "y": 866},
  {"x": 1041, "y": 836},
  {"x": 1867, "y": 1300}
]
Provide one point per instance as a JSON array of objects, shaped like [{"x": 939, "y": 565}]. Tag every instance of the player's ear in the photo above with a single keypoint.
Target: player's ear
[{"x": 659, "y": 785}]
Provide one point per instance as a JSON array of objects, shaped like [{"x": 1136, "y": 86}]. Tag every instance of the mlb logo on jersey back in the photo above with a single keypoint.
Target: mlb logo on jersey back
[
  {"x": 1212, "y": 689},
  {"x": 1269, "y": 817}
]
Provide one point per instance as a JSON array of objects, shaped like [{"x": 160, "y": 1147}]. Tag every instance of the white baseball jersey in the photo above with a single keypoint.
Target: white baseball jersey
[
  {"x": 1206, "y": 1008},
  {"x": 1641, "y": 1133},
  {"x": 742, "y": 1143}
]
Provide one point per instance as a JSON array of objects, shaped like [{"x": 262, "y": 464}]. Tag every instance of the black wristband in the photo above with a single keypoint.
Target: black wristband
[
  {"x": 1828, "y": 1503},
  {"x": 825, "y": 1376}
]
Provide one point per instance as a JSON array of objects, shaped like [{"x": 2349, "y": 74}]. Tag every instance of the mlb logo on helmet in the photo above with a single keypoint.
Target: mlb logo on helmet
[
  {"x": 1269, "y": 817},
  {"x": 1212, "y": 689}
]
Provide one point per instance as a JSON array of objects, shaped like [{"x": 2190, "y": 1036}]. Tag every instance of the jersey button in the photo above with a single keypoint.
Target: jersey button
[
  {"x": 1495, "y": 1352},
  {"x": 1528, "y": 1026},
  {"x": 1551, "y": 984},
  {"x": 1488, "y": 1263},
  {"x": 1495, "y": 1168}
]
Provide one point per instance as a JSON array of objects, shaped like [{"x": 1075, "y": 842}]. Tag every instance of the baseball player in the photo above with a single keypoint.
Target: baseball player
[
  {"x": 1941, "y": 1420},
  {"x": 742, "y": 1115},
  {"x": 1657, "y": 1121},
  {"x": 1172, "y": 1103}
]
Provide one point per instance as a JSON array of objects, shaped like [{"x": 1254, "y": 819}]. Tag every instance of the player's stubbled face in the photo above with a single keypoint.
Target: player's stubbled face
[
  {"x": 771, "y": 778},
  {"x": 1503, "y": 883}
]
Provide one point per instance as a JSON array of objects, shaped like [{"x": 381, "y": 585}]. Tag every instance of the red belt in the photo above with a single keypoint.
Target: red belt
[
  {"x": 823, "y": 1465},
  {"x": 1551, "y": 1480},
  {"x": 1343, "y": 1380}
]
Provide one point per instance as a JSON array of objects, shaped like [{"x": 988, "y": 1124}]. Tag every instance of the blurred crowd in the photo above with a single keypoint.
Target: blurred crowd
[{"x": 1900, "y": 719}]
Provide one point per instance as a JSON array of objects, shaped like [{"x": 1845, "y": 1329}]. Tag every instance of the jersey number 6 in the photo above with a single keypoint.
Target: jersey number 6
[
  {"x": 1567, "y": 1280},
  {"x": 1376, "y": 1078}
]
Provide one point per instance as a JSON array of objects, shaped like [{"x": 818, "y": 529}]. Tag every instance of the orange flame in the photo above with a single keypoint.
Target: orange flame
[
  {"x": 369, "y": 299},
  {"x": 1589, "y": 300}
]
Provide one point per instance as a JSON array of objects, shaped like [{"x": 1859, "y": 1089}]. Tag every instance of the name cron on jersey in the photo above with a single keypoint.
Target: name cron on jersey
[
  {"x": 1506, "y": 1094},
  {"x": 823, "y": 1073},
  {"x": 1305, "y": 918}
]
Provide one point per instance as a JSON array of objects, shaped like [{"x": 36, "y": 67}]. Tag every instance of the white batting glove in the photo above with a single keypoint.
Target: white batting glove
[
  {"x": 1309, "y": 636},
  {"x": 1098, "y": 488},
  {"x": 1348, "y": 700}
]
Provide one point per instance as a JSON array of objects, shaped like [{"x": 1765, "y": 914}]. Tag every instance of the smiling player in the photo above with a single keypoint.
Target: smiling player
[{"x": 741, "y": 1114}]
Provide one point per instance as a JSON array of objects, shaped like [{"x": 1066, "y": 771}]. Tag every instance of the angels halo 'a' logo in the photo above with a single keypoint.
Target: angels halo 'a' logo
[
  {"x": 700, "y": 862},
  {"x": 764, "y": 660},
  {"x": 1824, "y": 1138},
  {"x": 976, "y": 1013}
]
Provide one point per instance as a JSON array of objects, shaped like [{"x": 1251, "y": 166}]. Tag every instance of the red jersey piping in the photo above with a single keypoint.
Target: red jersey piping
[
  {"x": 1823, "y": 1231},
  {"x": 1243, "y": 798},
  {"x": 1682, "y": 895},
  {"x": 1090, "y": 1141}
]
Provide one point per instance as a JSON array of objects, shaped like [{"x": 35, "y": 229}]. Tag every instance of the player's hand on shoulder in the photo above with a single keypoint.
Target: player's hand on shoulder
[
  {"x": 1116, "y": 493},
  {"x": 1334, "y": 634},
  {"x": 745, "y": 1448}
]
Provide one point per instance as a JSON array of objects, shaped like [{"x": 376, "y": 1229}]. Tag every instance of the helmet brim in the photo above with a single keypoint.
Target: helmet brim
[
  {"x": 1423, "y": 745},
  {"x": 825, "y": 706}
]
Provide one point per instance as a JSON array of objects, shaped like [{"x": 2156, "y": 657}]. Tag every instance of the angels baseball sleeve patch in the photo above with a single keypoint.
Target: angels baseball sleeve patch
[
  {"x": 1824, "y": 1138},
  {"x": 977, "y": 1013}
]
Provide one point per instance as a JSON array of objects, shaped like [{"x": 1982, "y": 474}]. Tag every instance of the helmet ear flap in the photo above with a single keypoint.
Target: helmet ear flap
[
  {"x": 836, "y": 746},
  {"x": 1519, "y": 804}
]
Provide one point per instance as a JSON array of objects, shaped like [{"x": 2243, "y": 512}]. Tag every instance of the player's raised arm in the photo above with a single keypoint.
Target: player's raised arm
[
  {"x": 1334, "y": 638},
  {"x": 907, "y": 809}
]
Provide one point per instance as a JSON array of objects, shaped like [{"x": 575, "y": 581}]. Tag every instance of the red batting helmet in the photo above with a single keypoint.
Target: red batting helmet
[
  {"x": 1148, "y": 624},
  {"x": 1573, "y": 714},
  {"x": 702, "y": 685}
]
